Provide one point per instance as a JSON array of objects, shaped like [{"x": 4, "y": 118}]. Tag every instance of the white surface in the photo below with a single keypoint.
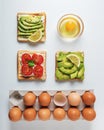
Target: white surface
[{"x": 91, "y": 42}]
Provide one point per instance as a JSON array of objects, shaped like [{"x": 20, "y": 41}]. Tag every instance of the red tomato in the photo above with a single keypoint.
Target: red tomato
[
  {"x": 26, "y": 70},
  {"x": 38, "y": 59},
  {"x": 25, "y": 58},
  {"x": 38, "y": 71}
]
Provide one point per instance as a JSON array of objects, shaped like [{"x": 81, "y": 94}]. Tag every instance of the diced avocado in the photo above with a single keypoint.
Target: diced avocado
[
  {"x": 61, "y": 76},
  {"x": 68, "y": 71},
  {"x": 74, "y": 75},
  {"x": 65, "y": 64},
  {"x": 81, "y": 72}
]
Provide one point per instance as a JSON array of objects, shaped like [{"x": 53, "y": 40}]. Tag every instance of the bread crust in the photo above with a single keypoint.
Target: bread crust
[
  {"x": 19, "y": 65},
  {"x": 19, "y": 39},
  {"x": 57, "y": 53}
]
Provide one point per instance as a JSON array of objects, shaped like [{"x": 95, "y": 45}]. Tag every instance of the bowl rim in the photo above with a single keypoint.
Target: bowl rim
[{"x": 73, "y": 15}]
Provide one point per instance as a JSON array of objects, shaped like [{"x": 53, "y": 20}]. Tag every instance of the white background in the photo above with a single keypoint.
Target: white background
[{"x": 91, "y": 42}]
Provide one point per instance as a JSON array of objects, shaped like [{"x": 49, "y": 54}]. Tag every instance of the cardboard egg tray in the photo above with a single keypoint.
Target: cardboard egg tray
[{"x": 16, "y": 99}]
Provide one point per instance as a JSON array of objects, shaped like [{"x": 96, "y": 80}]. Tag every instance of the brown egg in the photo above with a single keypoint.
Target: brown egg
[
  {"x": 73, "y": 114},
  {"x": 44, "y": 114},
  {"x": 89, "y": 114},
  {"x": 29, "y": 99},
  {"x": 15, "y": 114},
  {"x": 29, "y": 114},
  {"x": 44, "y": 99},
  {"x": 59, "y": 114},
  {"x": 74, "y": 99},
  {"x": 88, "y": 98}
]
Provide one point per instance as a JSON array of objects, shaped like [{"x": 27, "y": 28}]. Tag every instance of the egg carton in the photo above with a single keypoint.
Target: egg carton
[{"x": 16, "y": 99}]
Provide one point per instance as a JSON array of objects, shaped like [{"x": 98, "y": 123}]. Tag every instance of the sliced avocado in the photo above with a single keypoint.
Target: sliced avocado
[
  {"x": 65, "y": 64},
  {"x": 29, "y": 28},
  {"x": 30, "y": 25},
  {"x": 61, "y": 56},
  {"x": 23, "y": 21},
  {"x": 82, "y": 77},
  {"x": 26, "y": 31},
  {"x": 81, "y": 72},
  {"x": 81, "y": 65},
  {"x": 68, "y": 71},
  {"x": 61, "y": 76},
  {"x": 29, "y": 31},
  {"x": 24, "y": 34},
  {"x": 74, "y": 75},
  {"x": 31, "y": 19}
]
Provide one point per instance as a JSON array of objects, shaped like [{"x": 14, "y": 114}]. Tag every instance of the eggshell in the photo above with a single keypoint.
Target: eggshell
[
  {"x": 29, "y": 99},
  {"x": 89, "y": 114},
  {"x": 44, "y": 114},
  {"x": 44, "y": 99},
  {"x": 73, "y": 114},
  {"x": 74, "y": 99},
  {"x": 15, "y": 114},
  {"x": 88, "y": 98},
  {"x": 60, "y": 99},
  {"x": 29, "y": 114},
  {"x": 59, "y": 114}
]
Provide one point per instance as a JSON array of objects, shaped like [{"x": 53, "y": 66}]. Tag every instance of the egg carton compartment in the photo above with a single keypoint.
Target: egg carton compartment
[{"x": 16, "y": 99}]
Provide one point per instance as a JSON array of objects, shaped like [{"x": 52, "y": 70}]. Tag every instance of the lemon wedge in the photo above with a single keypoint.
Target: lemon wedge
[
  {"x": 74, "y": 59},
  {"x": 36, "y": 36}
]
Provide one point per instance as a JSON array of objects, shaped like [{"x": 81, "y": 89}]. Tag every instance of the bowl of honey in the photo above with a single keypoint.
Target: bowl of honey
[{"x": 70, "y": 27}]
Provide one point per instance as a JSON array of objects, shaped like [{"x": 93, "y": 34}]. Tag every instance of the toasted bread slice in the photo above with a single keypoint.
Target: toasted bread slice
[
  {"x": 43, "y": 19},
  {"x": 19, "y": 65},
  {"x": 65, "y": 76}
]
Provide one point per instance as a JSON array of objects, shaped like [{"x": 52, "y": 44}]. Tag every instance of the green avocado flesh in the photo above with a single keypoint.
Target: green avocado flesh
[
  {"x": 27, "y": 25},
  {"x": 66, "y": 70}
]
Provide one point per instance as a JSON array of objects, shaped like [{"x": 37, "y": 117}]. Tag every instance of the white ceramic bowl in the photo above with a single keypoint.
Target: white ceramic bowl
[{"x": 80, "y": 22}]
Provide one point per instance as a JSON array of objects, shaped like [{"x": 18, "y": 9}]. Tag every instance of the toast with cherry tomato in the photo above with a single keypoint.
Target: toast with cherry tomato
[
  {"x": 31, "y": 27},
  {"x": 31, "y": 65}
]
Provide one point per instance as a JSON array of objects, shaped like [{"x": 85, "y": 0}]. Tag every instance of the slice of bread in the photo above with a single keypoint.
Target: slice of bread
[
  {"x": 56, "y": 65},
  {"x": 23, "y": 39},
  {"x": 19, "y": 65}
]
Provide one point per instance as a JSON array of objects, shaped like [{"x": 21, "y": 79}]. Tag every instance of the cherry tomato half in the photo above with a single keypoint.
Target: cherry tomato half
[
  {"x": 38, "y": 71},
  {"x": 38, "y": 59},
  {"x": 26, "y": 70},
  {"x": 25, "y": 58}
]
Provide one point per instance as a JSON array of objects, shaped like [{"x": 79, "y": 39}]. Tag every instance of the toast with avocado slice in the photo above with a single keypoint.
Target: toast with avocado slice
[
  {"x": 31, "y": 27},
  {"x": 69, "y": 66}
]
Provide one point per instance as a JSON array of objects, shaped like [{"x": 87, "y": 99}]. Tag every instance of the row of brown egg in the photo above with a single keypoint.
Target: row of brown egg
[
  {"x": 59, "y": 98},
  {"x": 44, "y": 99},
  {"x": 73, "y": 113}
]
